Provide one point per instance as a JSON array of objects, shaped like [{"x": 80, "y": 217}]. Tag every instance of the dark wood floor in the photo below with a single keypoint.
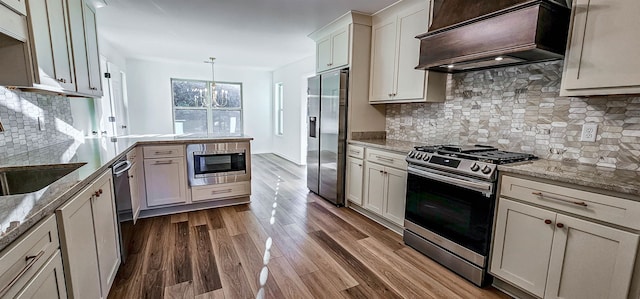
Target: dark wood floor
[{"x": 288, "y": 243}]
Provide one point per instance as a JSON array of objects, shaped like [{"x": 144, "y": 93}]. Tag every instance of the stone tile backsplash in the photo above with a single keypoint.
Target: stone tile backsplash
[
  {"x": 19, "y": 113},
  {"x": 519, "y": 109}
]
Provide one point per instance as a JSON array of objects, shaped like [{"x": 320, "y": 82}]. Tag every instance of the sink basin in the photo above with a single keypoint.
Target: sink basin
[{"x": 20, "y": 180}]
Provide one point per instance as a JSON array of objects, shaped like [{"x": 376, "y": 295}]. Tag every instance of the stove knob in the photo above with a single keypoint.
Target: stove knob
[
  {"x": 426, "y": 157},
  {"x": 411, "y": 154},
  {"x": 419, "y": 156},
  {"x": 486, "y": 170},
  {"x": 475, "y": 167}
]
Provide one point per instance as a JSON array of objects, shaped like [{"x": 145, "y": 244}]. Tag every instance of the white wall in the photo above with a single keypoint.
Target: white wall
[
  {"x": 149, "y": 93},
  {"x": 292, "y": 145}
]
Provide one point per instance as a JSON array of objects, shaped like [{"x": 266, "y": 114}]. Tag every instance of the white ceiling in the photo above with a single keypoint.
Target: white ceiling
[{"x": 263, "y": 34}]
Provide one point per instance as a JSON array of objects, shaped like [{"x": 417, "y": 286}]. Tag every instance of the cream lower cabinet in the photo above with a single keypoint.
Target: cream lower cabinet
[
  {"x": 601, "y": 56},
  {"x": 90, "y": 241},
  {"x": 552, "y": 255},
  {"x": 165, "y": 175},
  {"x": 47, "y": 283},
  {"x": 354, "y": 177},
  {"x": 385, "y": 191}
]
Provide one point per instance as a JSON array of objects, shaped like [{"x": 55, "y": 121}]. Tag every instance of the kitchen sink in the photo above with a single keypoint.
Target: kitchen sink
[{"x": 20, "y": 180}]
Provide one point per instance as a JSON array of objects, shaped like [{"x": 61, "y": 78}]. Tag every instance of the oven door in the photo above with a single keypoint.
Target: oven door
[
  {"x": 219, "y": 164},
  {"x": 454, "y": 212}
]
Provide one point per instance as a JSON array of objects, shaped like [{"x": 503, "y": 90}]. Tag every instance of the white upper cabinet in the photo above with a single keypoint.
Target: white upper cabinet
[
  {"x": 603, "y": 47},
  {"x": 395, "y": 52},
  {"x": 51, "y": 44},
  {"x": 333, "y": 50},
  {"x": 85, "y": 48}
]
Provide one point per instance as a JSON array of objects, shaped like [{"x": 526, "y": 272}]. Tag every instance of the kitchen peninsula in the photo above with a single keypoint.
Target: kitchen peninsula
[{"x": 98, "y": 154}]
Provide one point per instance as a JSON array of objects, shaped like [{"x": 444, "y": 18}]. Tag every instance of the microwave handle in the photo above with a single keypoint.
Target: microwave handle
[{"x": 313, "y": 126}]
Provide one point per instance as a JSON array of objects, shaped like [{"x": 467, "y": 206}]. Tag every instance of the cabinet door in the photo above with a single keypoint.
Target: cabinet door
[
  {"x": 383, "y": 61},
  {"x": 522, "y": 245},
  {"x": 355, "y": 174},
  {"x": 340, "y": 47},
  {"x": 593, "y": 63},
  {"x": 47, "y": 283},
  {"x": 395, "y": 195},
  {"x": 48, "y": 20},
  {"x": 79, "y": 45},
  {"x": 409, "y": 82},
  {"x": 134, "y": 186},
  {"x": 323, "y": 54},
  {"x": 93, "y": 55},
  {"x": 105, "y": 223},
  {"x": 374, "y": 187},
  {"x": 590, "y": 260},
  {"x": 78, "y": 243},
  {"x": 165, "y": 181}
]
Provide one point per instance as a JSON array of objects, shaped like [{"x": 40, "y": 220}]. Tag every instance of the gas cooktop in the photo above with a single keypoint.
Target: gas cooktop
[{"x": 476, "y": 160}]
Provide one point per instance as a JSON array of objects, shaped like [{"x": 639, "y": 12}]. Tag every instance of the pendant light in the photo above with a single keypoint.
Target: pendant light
[{"x": 214, "y": 93}]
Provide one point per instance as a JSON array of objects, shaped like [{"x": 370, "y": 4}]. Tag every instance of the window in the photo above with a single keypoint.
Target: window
[
  {"x": 279, "y": 104},
  {"x": 202, "y": 109}
]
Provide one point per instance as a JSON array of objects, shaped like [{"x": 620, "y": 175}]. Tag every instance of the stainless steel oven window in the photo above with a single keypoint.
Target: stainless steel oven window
[{"x": 202, "y": 109}]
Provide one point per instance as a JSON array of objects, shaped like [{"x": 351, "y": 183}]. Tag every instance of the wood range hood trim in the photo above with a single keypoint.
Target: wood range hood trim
[{"x": 475, "y": 35}]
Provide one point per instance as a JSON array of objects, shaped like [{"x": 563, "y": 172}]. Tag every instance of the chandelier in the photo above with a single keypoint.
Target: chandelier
[{"x": 215, "y": 100}]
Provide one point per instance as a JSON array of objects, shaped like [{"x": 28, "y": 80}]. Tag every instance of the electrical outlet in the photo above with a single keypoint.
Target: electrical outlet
[
  {"x": 40, "y": 123},
  {"x": 589, "y": 132}
]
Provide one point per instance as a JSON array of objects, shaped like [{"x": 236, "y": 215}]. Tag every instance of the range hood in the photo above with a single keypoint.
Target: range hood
[{"x": 472, "y": 35}]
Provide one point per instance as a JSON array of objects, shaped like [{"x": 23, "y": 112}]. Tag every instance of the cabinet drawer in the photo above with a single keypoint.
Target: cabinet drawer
[
  {"x": 386, "y": 158},
  {"x": 17, "y": 5},
  {"x": 602, "y": 207},
  {"x": 355, "y": 151},
  {"x": 223, "y": 191},
  {"x": 22, "y": 260},
  {"x": 152, "y": 152}
]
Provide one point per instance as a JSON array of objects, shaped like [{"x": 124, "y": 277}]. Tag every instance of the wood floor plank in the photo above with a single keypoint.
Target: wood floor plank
[
  {"x": 179, "y": 266},
  {"x": 253, "y": 263},
  {"x": 232, "y": 275},
  {"x": 217, "y": 294},
  {"x": 452, "y": 282},
  {"x": 358, "y": 292},
  {"x": 179, "y": 291},
  {"x": 356, "y": 268},
  {"x": 409, "y": 272},
  {"x": 214, "y": 219},
  {"x": 343, "y": 225},
  {"x": 153, "y": 286},
  {"x": 197, "y": 218},
  {"x": 258, "y": 235},
  {"x": 155, "y": 249},
  {"x": 180, "y": 217},
  {"x": 320, "y": 286},
  {"x": 232, "y": 222},
  {"x": 206, "y": 277},
  {"x": 287, "y": 279},
  {"x": 337, "y": 276},
  {"x": 290, "y": 248}
]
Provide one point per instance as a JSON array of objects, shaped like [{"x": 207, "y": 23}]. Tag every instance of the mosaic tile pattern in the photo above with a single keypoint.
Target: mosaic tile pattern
[
  {"x": 19, "y": 113},
  {"x": 519, "y": 108}
]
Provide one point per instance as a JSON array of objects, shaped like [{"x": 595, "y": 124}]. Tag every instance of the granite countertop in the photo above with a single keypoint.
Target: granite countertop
[
  {"x": 399, "y": 146},
  {"x": 616, "y": 180},
  {"x": 20, "y": 212}
]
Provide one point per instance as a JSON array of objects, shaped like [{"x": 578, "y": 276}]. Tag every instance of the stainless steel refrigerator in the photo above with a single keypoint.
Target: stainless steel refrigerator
[{"x": 326, "y": 138}]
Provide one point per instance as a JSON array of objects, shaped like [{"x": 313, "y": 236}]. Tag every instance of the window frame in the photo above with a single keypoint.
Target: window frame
[
  {"x": 279, "y": 108},
  {"x": 210, "y": 110}
]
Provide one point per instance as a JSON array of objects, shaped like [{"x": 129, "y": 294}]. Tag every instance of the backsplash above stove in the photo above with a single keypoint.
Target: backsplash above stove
[{"x": 519, "y": 109}]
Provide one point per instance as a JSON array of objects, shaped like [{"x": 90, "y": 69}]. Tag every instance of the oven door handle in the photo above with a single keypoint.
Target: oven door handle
[{"x": 485, "y": 188}]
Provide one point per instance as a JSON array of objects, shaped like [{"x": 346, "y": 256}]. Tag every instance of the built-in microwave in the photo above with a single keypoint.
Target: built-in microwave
[{"x": 218, "y": 163}]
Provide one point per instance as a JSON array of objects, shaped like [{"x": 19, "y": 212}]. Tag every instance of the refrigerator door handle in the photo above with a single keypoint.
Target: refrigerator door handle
[{"x": 312, "y": 127}]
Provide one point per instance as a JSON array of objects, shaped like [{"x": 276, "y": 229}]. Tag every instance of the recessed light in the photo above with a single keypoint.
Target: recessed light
[
  {"x": 450, "y": 66},
  {"x": 499, "y": 58}
]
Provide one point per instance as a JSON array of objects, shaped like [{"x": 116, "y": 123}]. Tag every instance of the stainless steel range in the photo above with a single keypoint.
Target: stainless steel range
[{"x": 451, "y": 194}]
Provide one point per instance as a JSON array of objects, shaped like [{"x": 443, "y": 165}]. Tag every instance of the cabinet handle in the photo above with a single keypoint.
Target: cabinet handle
[
  {"x": 62, "y": 80},
  {"x": 381, "y": 171},
  {"x": 130, "y": 176},
  {"x": 547, "y": 221},
  {"x": 354, "y": 152},
  {"x": 560, "y": 225},
  {"x": 360, "y": 165},
  {"x": 390, "y": 95},
  {"x": 221, "y": 191},
  {"x": 579, "y": 203},
  {"x": 97, "y": 193},
  {"x": 24, "y": 270},
  {"x": 93, "y": 88},
  {"x": 163, "y": 162},
  {"x": 163, "y": 152},
  {"x": 385, "y": 159}
]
